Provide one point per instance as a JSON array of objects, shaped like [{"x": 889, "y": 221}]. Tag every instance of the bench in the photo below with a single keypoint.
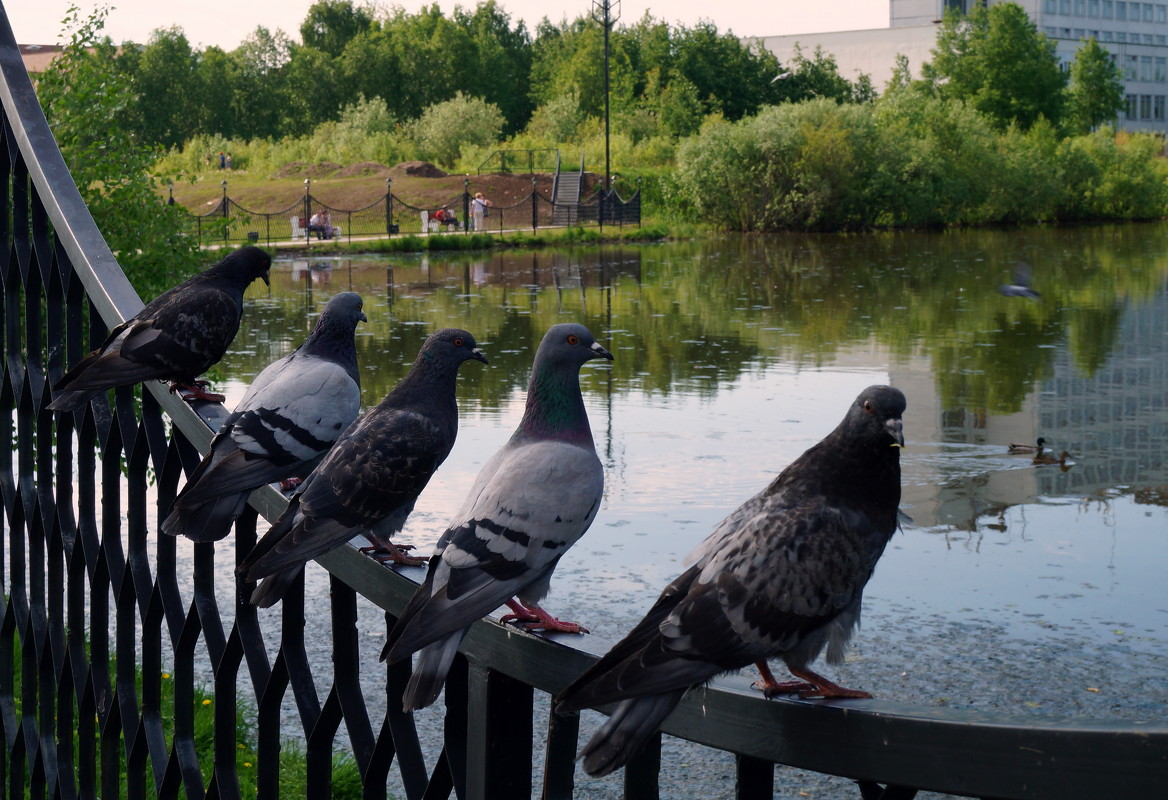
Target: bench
[{"x": 300, "y": 229}]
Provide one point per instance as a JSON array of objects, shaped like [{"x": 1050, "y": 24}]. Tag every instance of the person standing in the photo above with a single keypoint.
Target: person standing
[{"x": 479, "y": 210}]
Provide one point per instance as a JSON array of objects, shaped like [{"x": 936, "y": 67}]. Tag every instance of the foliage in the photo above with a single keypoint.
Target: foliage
[
  {"x": 331, "y": 24},
  {"x": 444, "y": 129},
  {"x": 87, "y": 100},
  {"x": 996, "y": 60},
  {"x": 911, "y": 159},
  {"x": 1095, "y": 94}
]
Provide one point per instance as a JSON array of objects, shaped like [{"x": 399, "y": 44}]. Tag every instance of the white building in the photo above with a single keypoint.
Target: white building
[{"x": 1136, "y": 34}]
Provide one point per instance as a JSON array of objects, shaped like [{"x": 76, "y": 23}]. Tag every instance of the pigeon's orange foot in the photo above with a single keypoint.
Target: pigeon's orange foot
[
  {"x": 288, "y": 484},
  {"x": 534, "y": 618},
  {"x": 197, "y": 391},
  {"x": 811, "y": 685},
  {"x": 387, "y": 552}
]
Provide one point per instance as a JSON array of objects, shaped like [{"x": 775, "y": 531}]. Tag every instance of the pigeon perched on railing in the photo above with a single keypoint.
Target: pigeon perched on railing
[
  {"x": 294, "y": 411},
  {"x": 531, "y": 501},
  {"x": 369, "y": 481},
  {"x": 177, "y": 337},
  {"x": 782, "y": 576}
]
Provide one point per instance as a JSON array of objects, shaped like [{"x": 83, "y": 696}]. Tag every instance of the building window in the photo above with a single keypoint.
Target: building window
[
  {"x": 1147, "y": 12},
  {"x": 1145, "y": 106},
  {"x": 1161, "y": 39},
  {"x": 1080, "y": 33},
  {"x": 1161, "y": 71},
  {"x": 1146, "y": 68},
  {"x": 1108, "y": 11},
  {"x": 1161, "y": 13},
  {"x": 1131, "y": 68},
  {"x": 1050, "y": 6},
  {"x": 1130, "y": 110},
  {"x": 1080, "y": 8},
  {"x": 1120, "y": 37},
  {"x": 1158, "y": 107},
  {"x": 1147, "y": 38},
  {"x": 1121, "y": 10},
  {"x": 1093, "y": 8},
  {"x": 1064, "y": 6},
  {"x": 1105, "y": 36}
]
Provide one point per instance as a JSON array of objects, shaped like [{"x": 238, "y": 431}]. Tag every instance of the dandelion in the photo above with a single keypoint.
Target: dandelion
[
  {"x": 166, "y": 676},
  {"x": 207, "y": 702},
  {"x": 247, "y": 763}
]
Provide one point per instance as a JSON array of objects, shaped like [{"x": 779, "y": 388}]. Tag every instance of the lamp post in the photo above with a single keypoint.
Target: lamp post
[
  {"x": 307, "y": 209},
  {"x": 223, "y": 204},
  {"x": 606, "y": 12}
]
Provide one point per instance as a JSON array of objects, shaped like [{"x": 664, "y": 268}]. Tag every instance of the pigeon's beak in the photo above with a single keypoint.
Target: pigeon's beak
[
  {"x": 600, "y": 352},
  {"x": 361, "y": 316},
  {"x": 477, "y": 355},
  {"x": 267, "y": 280},
  {"x": 896, "y": 430}
]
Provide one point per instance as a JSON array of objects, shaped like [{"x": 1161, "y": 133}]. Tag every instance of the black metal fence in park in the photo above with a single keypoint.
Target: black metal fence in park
[
  {"x": 229, "y": 221},
  {"x": 132, "y": 668}
]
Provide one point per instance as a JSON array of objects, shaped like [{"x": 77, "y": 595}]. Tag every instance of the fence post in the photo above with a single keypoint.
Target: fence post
[
  {"x": 224, "y": 204},
  {"x": 389, "y": 206},
  {"x": 307, "y": 208},
  {"x": 466, "y": 205},
  {"x": 534, "y": 205}
]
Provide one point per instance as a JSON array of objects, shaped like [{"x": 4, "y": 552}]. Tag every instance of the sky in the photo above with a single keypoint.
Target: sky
[{"x": 226, "y": 22}]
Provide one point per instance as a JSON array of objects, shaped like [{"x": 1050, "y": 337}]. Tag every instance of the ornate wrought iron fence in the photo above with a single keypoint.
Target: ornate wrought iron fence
[{"x": 96, "y": 605}]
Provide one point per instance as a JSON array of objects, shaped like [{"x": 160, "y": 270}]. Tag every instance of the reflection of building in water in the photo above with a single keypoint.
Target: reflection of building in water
[
  {"x": 1114, "y": 423},
  {"x": 318, "y": 273}
]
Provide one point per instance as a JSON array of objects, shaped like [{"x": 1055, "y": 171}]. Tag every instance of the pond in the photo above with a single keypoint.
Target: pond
[{"x": 1014, "y": 586}]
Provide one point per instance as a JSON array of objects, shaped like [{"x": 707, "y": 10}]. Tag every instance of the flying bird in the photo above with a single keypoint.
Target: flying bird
[
  {"x": 294, "y": 411},
  {"x": 531, "y": 501},
  {"x": 177, "y": 337},
  {"x": 781, "y": 577},
  {"x": 1021, "y": 286},
  {"x": 369, "y": 481}
]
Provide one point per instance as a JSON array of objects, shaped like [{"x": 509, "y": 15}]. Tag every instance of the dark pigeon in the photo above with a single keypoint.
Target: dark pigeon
[
  {"x": 368, "y": 483},
  {"x": 782, "y": 576},
  {"x": 1021, "y": 285},
  {"x": 530, "y": 502},
  {"x": 293, "y": 412},
  {"x": 177, "y": 337}
]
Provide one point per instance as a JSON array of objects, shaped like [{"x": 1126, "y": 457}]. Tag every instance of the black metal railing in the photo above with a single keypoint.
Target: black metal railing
[
  {"x": 229, "y": 221},
  {"x": 111, "y": 633}
]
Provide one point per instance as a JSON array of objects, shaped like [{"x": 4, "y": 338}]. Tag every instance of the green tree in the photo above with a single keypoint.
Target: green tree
[
  {"x": 87, "y": 100},
  {"x": 445, "y": 128},
  {"x": 1095, "y": 94},
  {"x": 331, "y": 24},
  {"x": 166, "y": 82},
  {"x": 997, "y": 60},
  {"x": 500, "y": 61}
]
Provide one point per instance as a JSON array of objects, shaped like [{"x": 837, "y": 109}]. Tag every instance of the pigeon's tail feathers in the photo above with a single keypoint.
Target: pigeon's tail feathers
[
  {"x": 430, "y": 669},
  {"x": 72, "y": 400},
  {"x": 271, "y": 589},
  {"x": 209, "y": 521},
  {"x": 623, "y": 734},
  {"x": 251, "y": 568}
]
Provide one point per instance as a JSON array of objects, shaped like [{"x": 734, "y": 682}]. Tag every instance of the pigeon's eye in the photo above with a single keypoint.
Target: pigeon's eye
[
  {"x": 458, "y": 342},
  {"x": 868, "y": 407},
  {"x": 573, "y": 339}
]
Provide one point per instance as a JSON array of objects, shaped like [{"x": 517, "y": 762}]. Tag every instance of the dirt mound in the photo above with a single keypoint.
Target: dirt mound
[
  {"x": 296, "y": 168},
  {"x": 364, "y": 169},
  {"x": 418, "y": 169}
]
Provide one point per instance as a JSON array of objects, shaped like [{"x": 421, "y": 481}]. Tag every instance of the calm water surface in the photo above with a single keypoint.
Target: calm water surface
[{"x": 735, "y": 355}]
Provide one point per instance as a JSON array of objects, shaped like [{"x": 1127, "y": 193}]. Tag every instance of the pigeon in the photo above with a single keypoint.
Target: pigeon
[
  {"x": 782, "y": 576},
  {"x": 531, "y": 501},
  {"x": 177, "y": 337},
  {"x": 293, "y": 412},
  {"x": 1036, "y": 449},
  {"x": 1021, "y": 285},
  {"x": 368, "y": 482}
]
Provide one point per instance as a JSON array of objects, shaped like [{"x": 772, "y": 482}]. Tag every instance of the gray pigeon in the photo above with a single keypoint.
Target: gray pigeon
[
  {"x": 782, "y": 576},
  {"x": 294, "y": 411},
  {"x": 368, "y": 483},
  {"x": 530, "y": 502},
  {"x": 177, "y": 337},
  {"x": 1021, "y": 285}
]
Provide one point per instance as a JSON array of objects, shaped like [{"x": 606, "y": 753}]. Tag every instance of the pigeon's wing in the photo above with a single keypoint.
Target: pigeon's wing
[
  {"x": 294, "y": 412},
  {"x": 379, "y": 466},
  {"x": 529, "y": 505},
  {"x": 190, "y": 329}
]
